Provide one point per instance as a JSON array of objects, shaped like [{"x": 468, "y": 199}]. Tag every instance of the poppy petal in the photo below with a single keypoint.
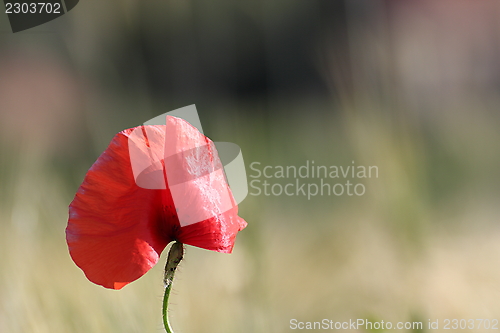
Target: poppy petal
[
  {"x": 114, "y": 231},
  {"x": 205, "y": 206},
  {"x": 216, "y": 234},
  {"x": 152, "y": 185}
]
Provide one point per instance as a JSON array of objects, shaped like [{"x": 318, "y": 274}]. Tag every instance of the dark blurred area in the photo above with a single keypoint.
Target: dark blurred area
[{"x": 219, "y": 50}]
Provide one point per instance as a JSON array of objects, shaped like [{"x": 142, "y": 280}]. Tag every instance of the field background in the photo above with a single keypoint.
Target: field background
[{"x": 411, "y": 87}]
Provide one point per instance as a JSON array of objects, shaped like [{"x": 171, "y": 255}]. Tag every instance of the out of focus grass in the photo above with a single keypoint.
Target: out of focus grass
[{"x": 398, "y": 253}]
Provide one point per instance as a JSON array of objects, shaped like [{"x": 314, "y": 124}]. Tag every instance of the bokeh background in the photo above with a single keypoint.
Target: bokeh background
[{"x": 412, "y": 87}]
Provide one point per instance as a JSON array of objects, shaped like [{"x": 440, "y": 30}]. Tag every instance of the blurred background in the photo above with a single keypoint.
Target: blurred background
[{"x": 412, "y": 87}]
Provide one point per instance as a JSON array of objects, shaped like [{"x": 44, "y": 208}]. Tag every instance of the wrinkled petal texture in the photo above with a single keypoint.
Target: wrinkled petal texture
[
  {"x": 117, "y": 230},
  {"x": 204, "y": 202},
  {"x": 113, "y": 232}
]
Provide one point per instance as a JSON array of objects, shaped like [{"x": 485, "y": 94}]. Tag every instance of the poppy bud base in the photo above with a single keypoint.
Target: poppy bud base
[{"x": 175, "y": 256}]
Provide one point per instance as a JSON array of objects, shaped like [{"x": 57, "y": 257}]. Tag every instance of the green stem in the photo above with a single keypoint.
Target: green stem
[{"x": 174, "y": 258}]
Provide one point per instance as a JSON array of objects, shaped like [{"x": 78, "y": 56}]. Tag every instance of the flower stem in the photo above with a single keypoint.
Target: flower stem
[{"x": 174, "y": 258}]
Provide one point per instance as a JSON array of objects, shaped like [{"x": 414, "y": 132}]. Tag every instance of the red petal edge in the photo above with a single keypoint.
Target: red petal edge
[{"x": 114, "y": 229}]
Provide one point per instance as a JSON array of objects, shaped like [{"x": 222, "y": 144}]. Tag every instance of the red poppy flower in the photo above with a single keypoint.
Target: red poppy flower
[{"x": 153, "y": 185}]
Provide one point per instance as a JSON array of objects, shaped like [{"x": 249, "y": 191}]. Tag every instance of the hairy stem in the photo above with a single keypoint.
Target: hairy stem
[{"x": 174, "y": 258}]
